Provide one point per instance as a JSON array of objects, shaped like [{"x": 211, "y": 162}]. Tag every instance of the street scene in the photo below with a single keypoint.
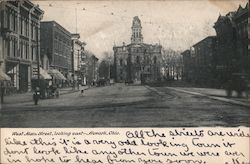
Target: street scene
[
  {"x": 120, "y": 105},
  {"x": 107, "y": 64}
]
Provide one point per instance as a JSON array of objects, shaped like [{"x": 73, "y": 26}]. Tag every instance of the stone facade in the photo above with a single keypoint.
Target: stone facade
[
  {"x": 242, "y": 64},
  {"x": 233, "y": 42},
  {"x": 137, "y": 62},
  {"x": 19, "y": 41}
]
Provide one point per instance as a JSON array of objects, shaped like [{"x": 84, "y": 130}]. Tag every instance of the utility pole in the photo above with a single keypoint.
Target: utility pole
[
  {"x": 78, "y": 68},
  {"x": 38, "y": 57}
]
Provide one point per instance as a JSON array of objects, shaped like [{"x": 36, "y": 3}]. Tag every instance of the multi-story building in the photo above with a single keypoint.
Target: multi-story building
[
  {"x": 91, "y": 69},
  {"x": 137, "y": 62},
  {"x": 56, "y": 45},
  {"x": 204, "y": 61},
  {"x": 242, "y": 59},
  {"x": 19, "y": 41},
  {"x": 77, "y": 64},
  {"x": 226, "y": 39},
  {"x": 233, "y": 42}
]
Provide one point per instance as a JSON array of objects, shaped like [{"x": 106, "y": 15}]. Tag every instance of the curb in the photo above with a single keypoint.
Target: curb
[
  {"x": 30, "y": 100},
  {"x": 73, "y": 91},
  {"x": 234, "y": 102}
]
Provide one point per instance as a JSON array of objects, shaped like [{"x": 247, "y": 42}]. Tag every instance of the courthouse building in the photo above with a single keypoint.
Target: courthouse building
[
  {"x": 137, "y": 62},
  {"x": 19, "y": 41}
]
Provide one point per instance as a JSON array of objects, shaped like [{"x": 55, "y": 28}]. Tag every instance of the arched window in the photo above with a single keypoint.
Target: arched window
[{"x": 155, "y": 60}]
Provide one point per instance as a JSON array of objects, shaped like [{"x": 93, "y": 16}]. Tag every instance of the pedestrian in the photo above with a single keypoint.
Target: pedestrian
[
  {"x": 36, "y": 95},
  {"x": 82, "y": 92}
]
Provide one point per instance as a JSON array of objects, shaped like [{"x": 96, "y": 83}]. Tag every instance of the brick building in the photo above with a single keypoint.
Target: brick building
[
  {"x": 203, "y": 56},
  {"x": 19, "y": 41},
  {"x": 199, "y": 63},
  {"x": 56, "y": 45},
  {"x": 137, "y": 62}
]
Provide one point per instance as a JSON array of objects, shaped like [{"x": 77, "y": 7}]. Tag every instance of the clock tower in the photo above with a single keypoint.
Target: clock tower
[{"x": 136, "y": 31}]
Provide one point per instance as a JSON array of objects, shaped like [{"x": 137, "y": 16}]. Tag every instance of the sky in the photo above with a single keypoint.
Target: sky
[{"x": 175, "y": 24}]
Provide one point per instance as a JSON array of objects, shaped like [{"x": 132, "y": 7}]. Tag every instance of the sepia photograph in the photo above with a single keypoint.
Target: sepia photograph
[{"x": 172, "y": 63}]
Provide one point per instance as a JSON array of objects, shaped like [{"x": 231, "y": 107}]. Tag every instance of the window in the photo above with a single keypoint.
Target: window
[
  {"x": 155, "y": 60},
  {"x": 121, "y": 62},
  {"x": 21, "y": 50},
  {"x": 32, "y": 30},
  {"x": 27, "y": 51},
  {"x": 27, "y": 27},
  {"x": 137, "y": 59},
  {"x": 15, "y": 48},
  {"x": 21, "y": 25}
]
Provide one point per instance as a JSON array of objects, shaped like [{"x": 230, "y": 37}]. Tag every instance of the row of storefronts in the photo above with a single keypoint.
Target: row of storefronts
[
  {"x": 19, "y": 47},
  {"x": 32, "y": 50}
]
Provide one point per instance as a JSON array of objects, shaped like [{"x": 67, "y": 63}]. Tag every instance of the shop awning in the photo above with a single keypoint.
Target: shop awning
[
  {"x": 43, "y": 74},
  {"x": 3, "y": 76},
  {"x": 56, "y": 74}
]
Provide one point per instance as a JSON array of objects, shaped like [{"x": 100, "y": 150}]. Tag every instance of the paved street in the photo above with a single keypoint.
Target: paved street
[{"x": 120, "y": 105}]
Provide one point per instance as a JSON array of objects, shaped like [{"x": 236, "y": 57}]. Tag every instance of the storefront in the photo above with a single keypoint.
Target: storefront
[{"x": 58, "y": 78}]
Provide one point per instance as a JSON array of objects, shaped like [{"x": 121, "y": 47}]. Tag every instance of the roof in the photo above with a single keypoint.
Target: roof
[
  {"x": 233, "y": 14},
  {"x": 54, "y": 23},
  {"x": 241, "y": 11},
  {"x": 185, "y": 52},
  {"x": 209, "y": 37},
  {"x": 136, "y": 21}
]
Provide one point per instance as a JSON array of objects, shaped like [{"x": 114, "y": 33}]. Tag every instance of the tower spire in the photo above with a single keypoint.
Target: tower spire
[{"x": 136, "y": 31}]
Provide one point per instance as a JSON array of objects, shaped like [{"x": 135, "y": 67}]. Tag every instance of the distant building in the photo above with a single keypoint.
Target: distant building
[
  {"x": 137, "y": 62},
  {"x": 92, "y": 69},
  {"x": 187, "y": 66},
  {"x": 19, "y": 41},
  {"x": 75, "y": 65},
  {"x": 104, "y": 70},
  {"x": 56, "y": 45}
]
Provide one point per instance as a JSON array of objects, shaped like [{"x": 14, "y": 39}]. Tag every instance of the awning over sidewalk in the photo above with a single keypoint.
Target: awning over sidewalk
[
  {"x": 3, "y": 76},
  {"x": 43, "y": 75},
  {"x": 56, "y": 74}
]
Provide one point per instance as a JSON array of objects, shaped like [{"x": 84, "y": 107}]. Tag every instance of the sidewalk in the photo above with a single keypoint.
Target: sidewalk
[
  {"x": 217, "y": 94},
  {"x": 27, "y": 97}
]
